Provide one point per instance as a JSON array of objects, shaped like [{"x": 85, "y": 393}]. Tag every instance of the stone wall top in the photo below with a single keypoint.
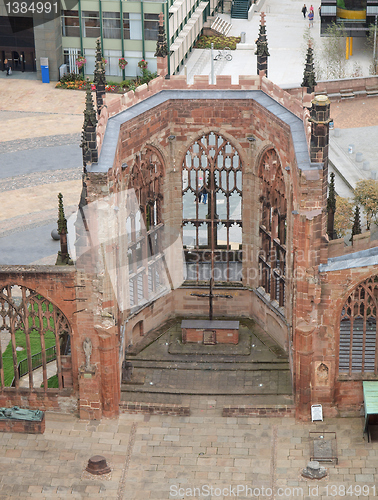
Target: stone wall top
[{"x": 201, "y": 82}]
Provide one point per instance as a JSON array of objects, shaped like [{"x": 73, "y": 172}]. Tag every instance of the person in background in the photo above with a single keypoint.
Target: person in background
[
  {"x": 311, "y": 19},
  {"x": 304, "y": 11},
  {"x": 7, "y": 67}
]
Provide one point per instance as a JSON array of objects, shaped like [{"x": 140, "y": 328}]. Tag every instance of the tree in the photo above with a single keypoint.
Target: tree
[
  {"x": 343, "y": 216},
  {"x": 366, "y": 195},
  {"x": 333, "y": 52},
  {"x": 371, "y": 41}
]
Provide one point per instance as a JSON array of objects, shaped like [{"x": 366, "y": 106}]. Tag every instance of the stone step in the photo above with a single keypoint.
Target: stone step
[
  {"x": 210, "y": 365},
  {"x": 201, "y": 392},
  {"x": 217, "y": 402},
  {"x": 210, "y": 382}
]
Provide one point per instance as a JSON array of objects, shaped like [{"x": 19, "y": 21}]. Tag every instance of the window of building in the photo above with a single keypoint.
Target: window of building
[
  {"x": 151, "y": 26},
  {"x": 135, "y": 26},
  {"x": 69, "y": 58},
  {"x": 126, "y": 26},
  {"x": 212, "y": 198},
  {"x": 111, "y": 25},
  {"x": 358, "y": 330},
  {"x": 91, "y": 24},
  {"x": 70, "y": 23},
  {"x": 272, "y": 253}
]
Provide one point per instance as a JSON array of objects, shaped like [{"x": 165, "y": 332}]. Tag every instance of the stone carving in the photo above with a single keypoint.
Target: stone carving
[
  {"x": 314, "y": 470},
  {"x": 322, "y": 374},
  {"x": 87, "y": 347},
  {"x": 17, "y": 413}
]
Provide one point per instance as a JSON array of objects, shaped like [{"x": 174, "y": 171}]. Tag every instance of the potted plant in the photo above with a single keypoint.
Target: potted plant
[
  {"x": 122, "y": 63},
  {"x": 142, "y": 64},
  {"x": 80, "y": 61}
]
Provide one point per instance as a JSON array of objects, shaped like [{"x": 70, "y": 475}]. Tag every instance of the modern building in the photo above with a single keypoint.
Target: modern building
[
  {"x": 127, "y": 29},
  {"x": 356, "y": 16}
]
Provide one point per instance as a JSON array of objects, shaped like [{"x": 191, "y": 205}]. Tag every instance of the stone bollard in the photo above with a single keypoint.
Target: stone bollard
[{"x": 359, "y": 157}]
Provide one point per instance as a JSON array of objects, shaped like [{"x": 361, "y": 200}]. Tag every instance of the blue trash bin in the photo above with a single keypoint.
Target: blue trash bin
[{"x": 45, "y": 69}]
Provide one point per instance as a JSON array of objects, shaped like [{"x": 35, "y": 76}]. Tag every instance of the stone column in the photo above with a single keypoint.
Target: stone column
[
  {"x": 110, "y": 372},
  {"x": 320, "y": 119}
]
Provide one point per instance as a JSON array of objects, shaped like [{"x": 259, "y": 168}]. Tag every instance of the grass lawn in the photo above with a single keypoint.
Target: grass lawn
[
  {"x": 52, "y": 382},
  {"x": 35, "y": 347}
]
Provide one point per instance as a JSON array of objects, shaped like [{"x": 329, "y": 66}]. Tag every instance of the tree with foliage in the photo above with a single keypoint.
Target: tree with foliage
[
  {"x": 333, "y": 52},
  {"x": 371, "y": 40},
  {"x": 366, "y": 195},
  {"x": 343, "y": 216}
]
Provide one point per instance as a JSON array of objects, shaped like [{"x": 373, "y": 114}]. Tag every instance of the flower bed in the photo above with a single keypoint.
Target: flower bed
[{"x": 220, "y": 42}]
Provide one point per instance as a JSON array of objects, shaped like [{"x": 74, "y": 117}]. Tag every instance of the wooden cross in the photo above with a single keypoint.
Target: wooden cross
[{"x": 211, "y": 295}]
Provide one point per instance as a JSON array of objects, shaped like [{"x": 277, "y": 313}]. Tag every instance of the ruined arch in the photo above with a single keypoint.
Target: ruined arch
[
  {"x": 273, "y": 225},
  {"x": 358, "y": 329},
  {"x": 36, "y": 332},
  {"x": 211, "y": 208}
]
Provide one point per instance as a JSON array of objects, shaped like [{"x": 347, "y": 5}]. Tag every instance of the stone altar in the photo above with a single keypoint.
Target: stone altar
[{"x": 210, "y": 331}]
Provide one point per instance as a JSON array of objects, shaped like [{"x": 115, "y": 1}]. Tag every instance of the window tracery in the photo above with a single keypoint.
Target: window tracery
[
  {"x": 144, "y": 228},
  {"x": 33, "y": 333},
  {"x": 272, "y": 253},
  {"x": 212, "y": 200},
  {"x": 358, "y": 330}
]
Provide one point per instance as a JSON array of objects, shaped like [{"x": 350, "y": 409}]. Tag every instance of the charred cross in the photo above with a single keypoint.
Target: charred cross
[{"x": 211, "y": 295}]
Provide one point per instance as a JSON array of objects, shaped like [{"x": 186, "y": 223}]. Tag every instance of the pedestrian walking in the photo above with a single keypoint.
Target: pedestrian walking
[
  {"x": 200, "y": 193},
  {"x": 304, "y": 11},
  {"x": 311, "y": 9},
  {"x": 311, "y": 19},
  {"x": 7, "y": 67}
]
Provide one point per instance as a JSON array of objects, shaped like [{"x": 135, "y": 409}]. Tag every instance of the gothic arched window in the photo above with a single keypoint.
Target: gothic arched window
[
  {"x": 272, "y": 253},
  {"x": 144, "y": 228},
  {"x": 34, "y": 333},
  {"x": 212, "y": 198},
  {"x": 358, "y": 330}
]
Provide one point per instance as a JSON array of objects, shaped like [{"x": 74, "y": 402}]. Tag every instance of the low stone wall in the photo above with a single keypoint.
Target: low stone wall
[
  {"x": 155, "y": 409},
  {"x": 23, "y": 426},
  {"x": 259, "y": 411}
]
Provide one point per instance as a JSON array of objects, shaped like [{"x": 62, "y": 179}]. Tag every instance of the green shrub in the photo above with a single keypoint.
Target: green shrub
[
  {"x": 220, "y": 42},
  {"x": 71, "y": 77}
]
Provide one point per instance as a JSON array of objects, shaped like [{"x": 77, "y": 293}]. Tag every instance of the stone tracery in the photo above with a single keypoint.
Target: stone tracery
[{"x": 272, "y": 253}]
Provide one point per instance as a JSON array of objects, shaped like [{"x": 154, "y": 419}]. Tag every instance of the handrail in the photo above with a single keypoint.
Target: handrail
[{"x": 23, "y": 366}]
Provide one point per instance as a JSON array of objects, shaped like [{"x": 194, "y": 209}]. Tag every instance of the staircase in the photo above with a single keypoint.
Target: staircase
[
  {"x": 221, "y": 26},
  {"x": 239, "y": 9}
]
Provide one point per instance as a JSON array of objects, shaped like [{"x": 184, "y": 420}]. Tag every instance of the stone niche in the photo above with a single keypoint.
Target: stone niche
[{"x": 210, "y": 332}]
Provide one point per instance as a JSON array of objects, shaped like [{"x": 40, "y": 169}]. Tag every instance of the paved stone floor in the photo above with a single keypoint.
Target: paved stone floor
[
  {"x": 40, "y": 157},
  {"x": 151, "y": 457}
]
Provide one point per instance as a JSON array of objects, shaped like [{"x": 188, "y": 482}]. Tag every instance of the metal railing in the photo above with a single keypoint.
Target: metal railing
[{"x": 23, "y": 366}]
